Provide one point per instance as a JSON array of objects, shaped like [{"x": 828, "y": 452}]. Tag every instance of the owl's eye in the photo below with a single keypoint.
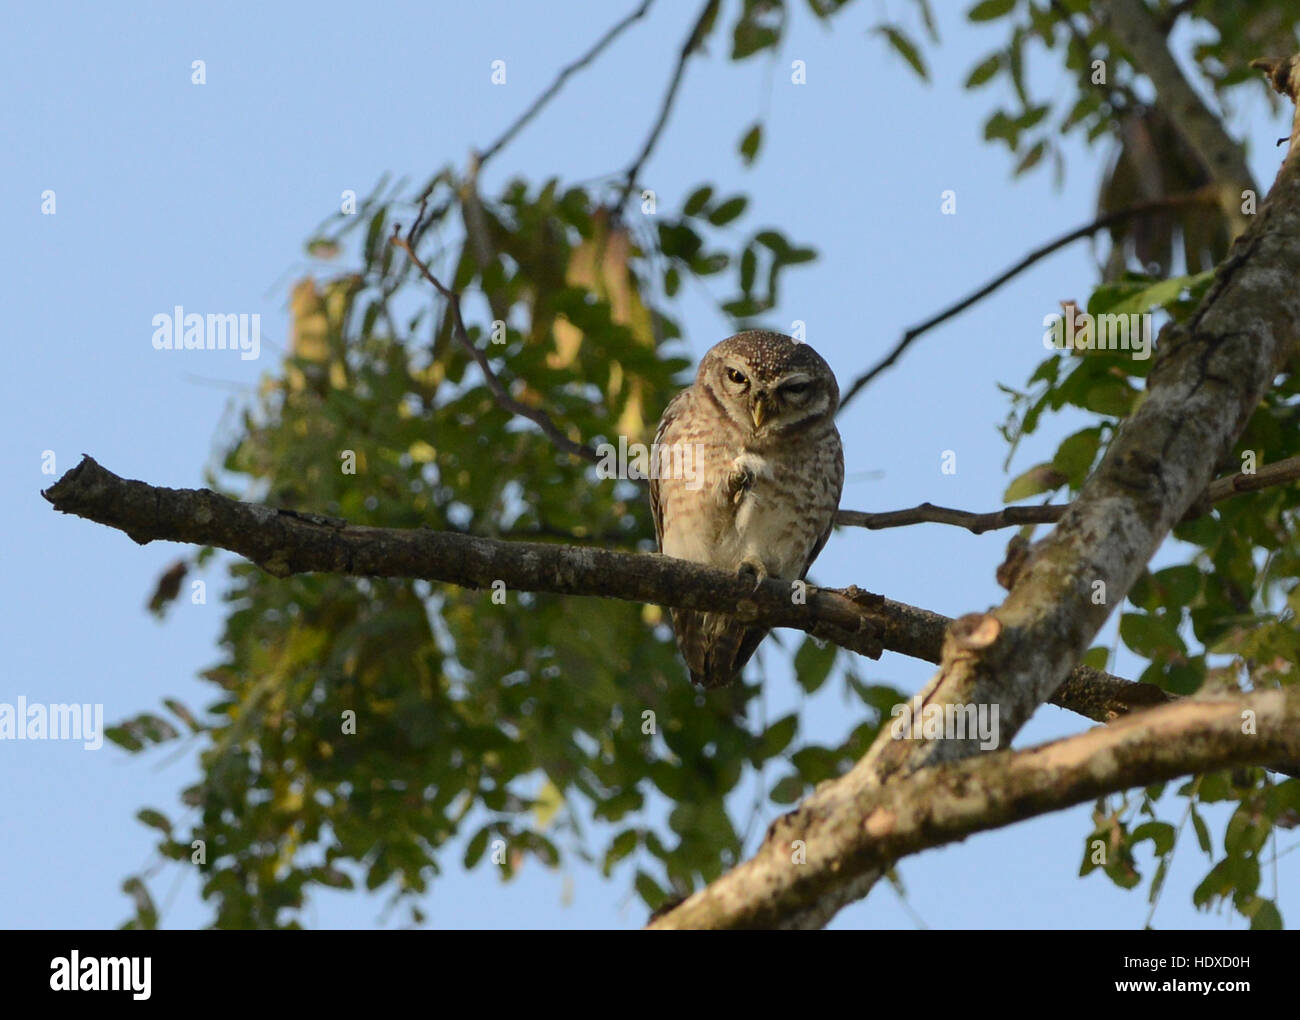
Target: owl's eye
[
  {"x": 736, "y": 376},
  {"x": 795, "y": 389}
]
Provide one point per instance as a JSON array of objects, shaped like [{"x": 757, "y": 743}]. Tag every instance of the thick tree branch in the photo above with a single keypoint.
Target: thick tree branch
[
  {"x": 946, "y": 803},
  {"x": 284, "y": 542},
  {"x": 1279, "y": 473}
]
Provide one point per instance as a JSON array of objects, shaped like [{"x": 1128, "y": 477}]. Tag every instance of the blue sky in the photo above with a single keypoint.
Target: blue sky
[{"x": 173, "y": 193}]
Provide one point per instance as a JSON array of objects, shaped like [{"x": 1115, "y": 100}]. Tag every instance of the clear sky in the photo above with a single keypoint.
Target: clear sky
[{"x": 202, "y": 195}]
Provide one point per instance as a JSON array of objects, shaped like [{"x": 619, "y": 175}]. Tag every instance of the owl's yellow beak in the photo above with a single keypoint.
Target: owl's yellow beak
[{"x": 761, "y": 411}]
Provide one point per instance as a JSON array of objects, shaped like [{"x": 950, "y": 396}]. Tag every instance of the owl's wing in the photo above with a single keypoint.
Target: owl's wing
[
  {"x": 671, "y": 413},
  {"x": 836, "y": 474}
]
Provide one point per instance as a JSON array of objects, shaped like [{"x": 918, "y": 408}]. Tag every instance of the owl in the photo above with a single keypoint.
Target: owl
[{"x": 746, "y": 475}]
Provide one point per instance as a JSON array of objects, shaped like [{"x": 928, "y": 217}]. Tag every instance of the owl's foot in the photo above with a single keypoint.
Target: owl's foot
[
  {"x": 752, "y": 568},
  {"x": 739, "y": 482}
]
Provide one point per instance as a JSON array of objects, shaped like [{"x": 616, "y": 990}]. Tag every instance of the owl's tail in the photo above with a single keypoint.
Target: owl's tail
[{"x": 716, "y": 646}]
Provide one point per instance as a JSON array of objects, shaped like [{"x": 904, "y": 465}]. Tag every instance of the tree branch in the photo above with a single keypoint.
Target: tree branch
[
  {"x": 868, "y": 826},
  {"x": 285, "y": 542},
  {"x": 699, "y": 29},
  {"x": 1087, "y": 230},
  {"x": 537, "y": 416},
  {"x": 561, "y": 78},
  {"x": 1269, "y": 475}
]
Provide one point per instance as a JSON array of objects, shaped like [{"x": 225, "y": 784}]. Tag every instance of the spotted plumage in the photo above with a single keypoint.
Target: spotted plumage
[{"x": 750, "y": 469}]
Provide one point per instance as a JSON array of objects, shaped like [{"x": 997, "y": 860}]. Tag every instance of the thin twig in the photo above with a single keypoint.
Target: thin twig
[
  {"x": 693, "y": 40},
  {"x": 1200, "y": 195},
  {"x": 1269, "y": 475},
  {"x": 539, "y": 418},
  {"x": 560, "y": 79}
]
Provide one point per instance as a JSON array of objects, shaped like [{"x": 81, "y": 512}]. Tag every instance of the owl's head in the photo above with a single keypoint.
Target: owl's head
[{"x": 769, "y": 383}]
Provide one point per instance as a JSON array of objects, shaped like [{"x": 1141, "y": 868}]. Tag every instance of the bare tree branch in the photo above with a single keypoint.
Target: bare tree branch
[
  {"x": 561, "y": 78},
  {"x": 284, "y": 542},
  {"x": 538, "y": 417},
  {"x": 1201, "y": 195},
  {"x": 1279, "y": 473},
  {"x": 866, "y": 826},
  {"x": 693, "y": 39}
]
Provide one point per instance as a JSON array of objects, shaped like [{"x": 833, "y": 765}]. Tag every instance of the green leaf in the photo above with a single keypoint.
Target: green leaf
[
  {"x": 773, "y": 242},
  {"x": 1162, "y": 834},
  {"x": 812, "y": 665},
  {"x": 1183, "y": 678},
  {"x": 155, "y": 819},
  {"x": 476, "y": 846},
  {"x": 698, "y": 200},
  {"x": 146, "y": 914},
  {"x": 750, "y": 142},
  {"x": 1202, "y": 832},
  {"x": 1246, "y": 832},
  {"x": 648, "y": 889},
  {"x": 1097, "y": 657},
  {"x": 728, "y": 210},
  {"x": 1038, "y": 479},
  {"x": 1130, "y": 296},
  {"x": 1265, "y": 916},
  {"x": 778, "y": 736},
  {"x": 183, "y": 713},
  {"x": 1111, "y": 396},
  {"x": 1177, "y": 586},
  {"x": 748, "y": 268},
  {"x": 787, "y": 790},
  {"x": 984, "y": 71},
  {"x": 1151, "y": 636},
  {"x": 987, "y": 10},
  {"x": 1031, "y": 158},
  {"x": 1075, "y": 455},
  {"x": 904, "y": 47},
  {"x": 742, "y": 308},
  {"x": 620, "y": 846},
  {"x": 672, "y": 281}
]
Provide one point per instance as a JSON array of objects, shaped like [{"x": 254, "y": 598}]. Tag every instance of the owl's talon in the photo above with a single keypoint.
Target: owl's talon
[
  {"x": 752, "y": 569},
  {"x": 739, "y": 482}
]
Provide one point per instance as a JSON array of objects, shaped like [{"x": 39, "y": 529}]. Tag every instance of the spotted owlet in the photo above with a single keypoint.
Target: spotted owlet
[{"x": 747, "y": 471}]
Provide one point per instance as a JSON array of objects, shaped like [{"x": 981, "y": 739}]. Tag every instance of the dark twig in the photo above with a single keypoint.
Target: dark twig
[
  {"x": 693, "y": 40},
  {"x": 560, "y": 79},
  {"x": 1206, "y": 195},
  {"x": 1267, "y": 476},
  {"x": 928, "y": 513},
  {"x": 539, "y": 418}
]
